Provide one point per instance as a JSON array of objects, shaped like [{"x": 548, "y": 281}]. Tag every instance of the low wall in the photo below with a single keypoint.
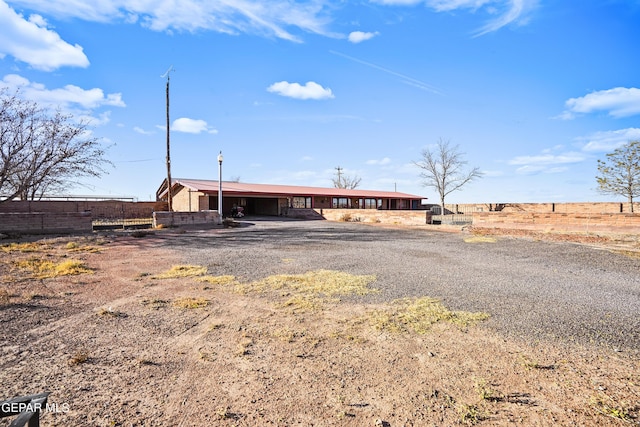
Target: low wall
[
  {"x": 417, "y": 217},
  {"x": 99, "y": 209},
  {"x": 570, "y": 207},
  {"x": 605, "y": 223},
  {"x": 177, "y": 219},
  {"x": 45, "y": 223}
]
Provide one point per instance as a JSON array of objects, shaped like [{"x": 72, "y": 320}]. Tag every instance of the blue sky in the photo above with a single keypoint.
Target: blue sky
[{"x": 533, "y": 91}]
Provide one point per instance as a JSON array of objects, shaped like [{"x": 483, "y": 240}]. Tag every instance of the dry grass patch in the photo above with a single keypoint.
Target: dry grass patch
[
  {"x": 480, "y": 239},
  {"x": 24, "y": 247},
  {"x": 218, "y": 280},
  {"x": 191, "y": 302},
  {"x": 43, "y": 269},
  {"x": 79, "y": 358},
  {"x": 320, "y": 282},
  {"x": 419, "y": 315},
  {"x": 178, "y": 271},
  {"x": 5, "y": 296},
  {"x": 75, "y": 247},
  {"x": 311, "y": 290},
  {"x": 109, "y": 312}
]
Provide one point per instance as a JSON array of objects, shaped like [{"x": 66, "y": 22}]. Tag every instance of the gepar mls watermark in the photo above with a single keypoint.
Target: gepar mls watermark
[{"x": 19, "y": 407}]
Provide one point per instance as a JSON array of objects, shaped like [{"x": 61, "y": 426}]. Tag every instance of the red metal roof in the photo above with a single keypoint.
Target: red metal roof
[{"x": 245, "y": 189}]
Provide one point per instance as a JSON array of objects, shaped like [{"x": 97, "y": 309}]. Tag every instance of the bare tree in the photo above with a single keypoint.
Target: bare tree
[
  {"x": 443, "y": 169},
  {"x": 345, "y": 181},
  {"x": 42, "y": 152},
  {"x": 620, "y": 172}
]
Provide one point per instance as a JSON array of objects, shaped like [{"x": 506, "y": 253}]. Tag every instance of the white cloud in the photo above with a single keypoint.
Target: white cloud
[
  {"x": 608, "y": 140},
  {"x": 272, "y": 18},
  {"x": 547, "y": 162},
  {"x": 69, "y": 97},
  {"x": 548, "y": 159},
  {"x": 187, "y": 125},
  {"x": 31, "y": 42},
  {"x": 618, "y": 102},
  {"x": 141, "y": 131},
  {"x": 513, "y": 11},
  {"x": 311, "y": 90},
  {"x": 359, "y": 36},
  {"x": 380, "y": 162}
]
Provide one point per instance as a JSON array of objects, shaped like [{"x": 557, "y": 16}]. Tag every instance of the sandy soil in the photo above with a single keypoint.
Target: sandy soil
[{"x": 115, "y": 348}]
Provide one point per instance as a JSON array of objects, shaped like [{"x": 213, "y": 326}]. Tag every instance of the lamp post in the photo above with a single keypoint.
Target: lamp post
[{"x": 220, "y": 187}]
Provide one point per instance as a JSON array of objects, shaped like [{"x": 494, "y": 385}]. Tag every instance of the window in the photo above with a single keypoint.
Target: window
[
  {"x": 341, "y": 203},
  {"x": 301, "y": 202},
  {"x": 372, "y": 203}
]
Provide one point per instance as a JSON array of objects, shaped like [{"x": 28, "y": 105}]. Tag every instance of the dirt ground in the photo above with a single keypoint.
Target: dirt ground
[{"x": 119, "y": 342}]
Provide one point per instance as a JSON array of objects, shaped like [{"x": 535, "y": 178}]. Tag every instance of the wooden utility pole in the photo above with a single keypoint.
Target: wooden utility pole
[{"x": 169, "y": 199}]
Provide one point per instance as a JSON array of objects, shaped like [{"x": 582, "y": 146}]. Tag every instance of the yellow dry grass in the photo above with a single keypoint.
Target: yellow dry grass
[
  {"x": 328, "y": 283},
  {"x": 23, "y": 247},
  {"x": 191, "y": 302},
  {"x": 5, "y": 296},
  {"x": 43, "y": 269},
  {"x": 311, "y": 290},
  {"x": 419, "y": 315},
  {"x": 178, "y": 271},
  {"x": 218, "y": 280},
  {"x": 480, "y": 239}
]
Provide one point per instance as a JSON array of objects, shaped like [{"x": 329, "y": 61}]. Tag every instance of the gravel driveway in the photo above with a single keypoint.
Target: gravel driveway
[{"x": 532, "y": 289}]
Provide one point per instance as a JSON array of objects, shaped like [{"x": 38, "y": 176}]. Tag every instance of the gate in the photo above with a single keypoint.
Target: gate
[{"x": 454, "y": 214}]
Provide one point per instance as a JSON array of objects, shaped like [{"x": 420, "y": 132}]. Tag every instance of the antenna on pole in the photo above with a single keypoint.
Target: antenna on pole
[{"x": 167, "y": 74}]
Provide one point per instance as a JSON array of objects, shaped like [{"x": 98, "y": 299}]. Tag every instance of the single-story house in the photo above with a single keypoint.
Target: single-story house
[{"x": 192, "y": 195}]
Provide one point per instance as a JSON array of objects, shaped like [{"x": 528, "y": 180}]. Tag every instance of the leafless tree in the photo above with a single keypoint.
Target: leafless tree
[
  {"x": 42, "y": 152},
  {"x": 444, "y": 169},
  {"x": 345, "y": 181},
  {"x": 620, "y": 172}
]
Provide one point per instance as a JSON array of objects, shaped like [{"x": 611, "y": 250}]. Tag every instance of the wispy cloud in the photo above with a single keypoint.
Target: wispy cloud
[
  {"x": 195, "y": 126},
  {"x": 405, "y": 79},
  {"x": 608, "y": 140},
  {"x": 272, "y": 18},
  {"x": 508, "y": 11},
  {"x": 617, "y": 102},
  {"x": 360, "y": 36},
  {"x": 71, "y": 99},
  {"x": 380, "y": 162},
  {"x": 311, "y": 90},
  {"x": 547, "y": 161},
  {"x": 30, "y": 41},
  {"x": 141, "y": 131}
]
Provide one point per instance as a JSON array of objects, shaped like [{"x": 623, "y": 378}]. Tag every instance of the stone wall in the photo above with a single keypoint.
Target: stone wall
[
  {"x": 45, "y": 222},
  {"x": 596, "y": 223},
  {"x": 177, "y": 219}
]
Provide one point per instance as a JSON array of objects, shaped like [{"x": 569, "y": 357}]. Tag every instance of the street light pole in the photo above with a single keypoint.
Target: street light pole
[{"x": 220, "y": 187}]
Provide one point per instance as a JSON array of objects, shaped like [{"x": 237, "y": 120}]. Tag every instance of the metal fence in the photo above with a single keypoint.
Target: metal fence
[{"x": 454, "y": 214}]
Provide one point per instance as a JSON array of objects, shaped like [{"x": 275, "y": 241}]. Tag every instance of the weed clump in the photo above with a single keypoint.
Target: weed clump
[
  {"x": 191, "y": 302},
  {"x": 419, "y": 315},
  {"x": 43, "y": 269},
  {"x": 178, "y": 271}
]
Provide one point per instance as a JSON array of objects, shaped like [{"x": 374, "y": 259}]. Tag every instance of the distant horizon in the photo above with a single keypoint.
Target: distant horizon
[{"x": 532, "y": 92}]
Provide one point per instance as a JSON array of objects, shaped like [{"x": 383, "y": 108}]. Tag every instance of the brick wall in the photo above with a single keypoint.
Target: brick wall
[
  {"x": 45, "y": 223},
  {"x": 176, "y": 219},
  {"x": 621, "y": 223},
  {"x": 98, "y": 209},
  {"x": 587, "y": 207}
]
